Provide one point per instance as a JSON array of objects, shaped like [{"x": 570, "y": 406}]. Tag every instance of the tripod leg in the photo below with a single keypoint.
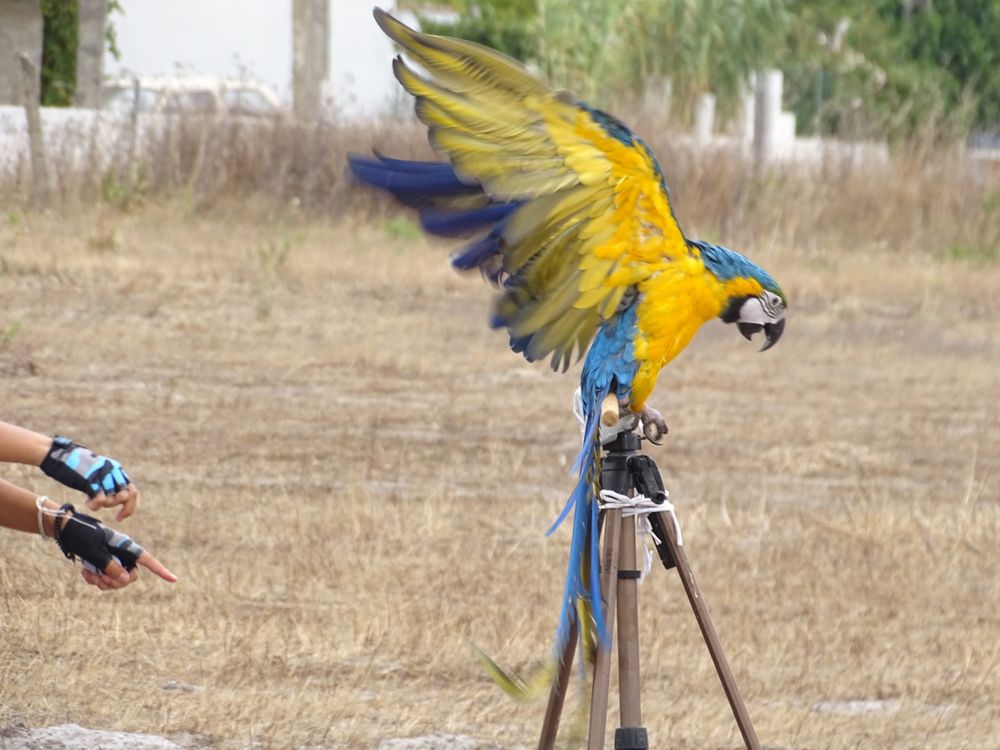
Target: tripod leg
[
  {"x": 557, "y": 693},
  {"x": 708, "y": 633},
  {"x": 628, "y": 628},
  {"x": 602, "y": 665}
]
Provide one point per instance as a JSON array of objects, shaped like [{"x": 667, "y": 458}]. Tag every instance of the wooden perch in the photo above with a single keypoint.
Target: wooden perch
[{"x": 609, "y": 410}]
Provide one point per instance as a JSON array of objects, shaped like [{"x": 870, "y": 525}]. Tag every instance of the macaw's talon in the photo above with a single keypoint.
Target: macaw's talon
[
  {"x": 654, "y": 426},
  {"x": 629, "y": 420}
]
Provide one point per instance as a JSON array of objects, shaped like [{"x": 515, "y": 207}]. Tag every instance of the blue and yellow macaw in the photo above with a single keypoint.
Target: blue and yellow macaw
[{"x": 576, "y": 229}]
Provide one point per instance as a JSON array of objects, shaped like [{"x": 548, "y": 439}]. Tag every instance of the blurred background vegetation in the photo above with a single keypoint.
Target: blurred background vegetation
[
  {"x": 925, "y": 75},
  {"x": 853, "y": 68}
]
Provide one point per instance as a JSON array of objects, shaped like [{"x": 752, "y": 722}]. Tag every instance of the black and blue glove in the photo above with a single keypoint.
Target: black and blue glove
[
  {"x": 81, "y": 469},
  {"x": 83, "y": 536}
]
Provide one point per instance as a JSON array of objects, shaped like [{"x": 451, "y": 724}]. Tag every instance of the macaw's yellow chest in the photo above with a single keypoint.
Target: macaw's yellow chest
[{"x": 674, "y": 304}]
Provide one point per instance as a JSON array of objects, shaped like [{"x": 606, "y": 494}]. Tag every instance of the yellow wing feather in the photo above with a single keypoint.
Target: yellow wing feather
[{"x": 594, "y": 217}]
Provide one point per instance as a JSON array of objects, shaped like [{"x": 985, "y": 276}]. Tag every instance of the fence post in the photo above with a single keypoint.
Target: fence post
[{"x": 39, "y": 168}]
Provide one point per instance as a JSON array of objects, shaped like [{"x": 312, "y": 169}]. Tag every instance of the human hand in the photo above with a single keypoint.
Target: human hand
[
  {"x": 114, "y": 576},
  {"x": 102, "y": 479},
  {"x": 110, "y": 559}
]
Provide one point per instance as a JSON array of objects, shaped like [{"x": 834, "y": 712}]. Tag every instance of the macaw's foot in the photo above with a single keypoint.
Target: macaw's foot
[
  {"x": 628, "y": 419},
  {"x": 654, "y": 426}
]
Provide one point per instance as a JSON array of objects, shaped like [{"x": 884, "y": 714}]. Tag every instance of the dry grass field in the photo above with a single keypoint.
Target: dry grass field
[{"x": 352, "y": 475}]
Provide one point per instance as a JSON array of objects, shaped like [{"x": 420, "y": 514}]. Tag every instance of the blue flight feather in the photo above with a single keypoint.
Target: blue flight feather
[
  {"x": 433, "y": 188},
  {"x": 417, "y": 179},
  {"x": 476, "y": 253},
  {"x": 453, "y": 223}
]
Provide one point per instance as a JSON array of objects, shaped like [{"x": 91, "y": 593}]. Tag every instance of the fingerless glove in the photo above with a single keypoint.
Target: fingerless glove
[{"x": 81, "y": 469}]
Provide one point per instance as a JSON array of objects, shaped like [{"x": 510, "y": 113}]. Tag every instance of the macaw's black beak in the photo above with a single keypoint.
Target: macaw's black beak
[
  {"x": 772, "y": 332},
  {"x": 749, "y": 329}
]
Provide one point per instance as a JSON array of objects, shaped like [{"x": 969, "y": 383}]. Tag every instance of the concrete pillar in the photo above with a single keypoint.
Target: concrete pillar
[
  {"x": 657, "y": 94},
  {"x": 310, "y": 56},
  {"x": 90, "y": 53},
  {"x": 767, "y": 116},
  {"x": 744, "y": 124},
  {"x": 20, "y": 33},
  {"x": 704, "y": 117}
]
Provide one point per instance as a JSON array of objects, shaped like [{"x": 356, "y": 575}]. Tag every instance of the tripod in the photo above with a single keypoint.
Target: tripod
[{"x": 627, "y": 471}]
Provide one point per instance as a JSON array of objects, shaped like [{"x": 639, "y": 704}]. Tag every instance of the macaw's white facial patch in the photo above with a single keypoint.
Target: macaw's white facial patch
[
  {"x": 764, "y": 313},
  {"x": 753, "y": 311}
]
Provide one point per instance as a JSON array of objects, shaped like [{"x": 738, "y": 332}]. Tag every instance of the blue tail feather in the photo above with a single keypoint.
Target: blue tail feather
[
  {"x": 610, "y": 367},
  {"x": 585, "y": 530}
]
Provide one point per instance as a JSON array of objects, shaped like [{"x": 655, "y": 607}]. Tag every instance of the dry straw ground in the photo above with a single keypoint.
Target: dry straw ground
[{"x": 352, "y": 476}]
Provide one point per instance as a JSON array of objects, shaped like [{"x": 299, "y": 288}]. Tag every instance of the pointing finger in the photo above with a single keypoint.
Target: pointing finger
[{"x": 153, "y": 565}]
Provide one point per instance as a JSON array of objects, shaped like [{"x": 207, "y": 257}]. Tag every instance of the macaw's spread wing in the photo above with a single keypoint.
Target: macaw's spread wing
[{"x": 580, "y": 208}]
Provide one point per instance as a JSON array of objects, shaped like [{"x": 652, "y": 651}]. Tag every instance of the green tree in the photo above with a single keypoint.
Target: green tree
[
  {"x": 702, "y": 46},
  {"x": 510, "y": 27},
  {"x": 59, "y": 33},
  {"x": 895, "y": 67},
  {"x": 59, "y": 40},
  {"x": 577, "y": 42},
  {"x": 961, "y": 39},
  {"x": 600, "y": 49},
  {"x": 852, "y": 67}
]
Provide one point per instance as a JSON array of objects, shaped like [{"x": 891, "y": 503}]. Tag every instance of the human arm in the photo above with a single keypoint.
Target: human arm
[
  {"x": 19, "y": 511},
  {"x": 21, "y": 446},
  {"x": 102, "y": 479}
]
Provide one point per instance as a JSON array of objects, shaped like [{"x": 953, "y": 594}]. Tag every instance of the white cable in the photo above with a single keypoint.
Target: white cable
[
  {"x": 59, "y": 513},
  {"x": 641, "y": 506}
]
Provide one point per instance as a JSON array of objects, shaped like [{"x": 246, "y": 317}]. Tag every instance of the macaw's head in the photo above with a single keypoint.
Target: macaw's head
[
  {"x": 762, "y": 312},
  {"x": 755, "y": 302}
]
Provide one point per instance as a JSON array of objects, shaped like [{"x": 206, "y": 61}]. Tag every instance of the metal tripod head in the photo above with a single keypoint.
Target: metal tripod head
[{"x": 625, "y": 469}]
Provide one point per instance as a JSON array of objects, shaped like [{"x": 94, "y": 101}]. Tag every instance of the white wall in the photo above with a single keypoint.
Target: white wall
[
  {"x": 253, "y": 38},
  {"x": 361, "y": 80}
]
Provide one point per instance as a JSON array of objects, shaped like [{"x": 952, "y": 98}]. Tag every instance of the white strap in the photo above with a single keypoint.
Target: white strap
[{"x": 641, "y": 506}]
